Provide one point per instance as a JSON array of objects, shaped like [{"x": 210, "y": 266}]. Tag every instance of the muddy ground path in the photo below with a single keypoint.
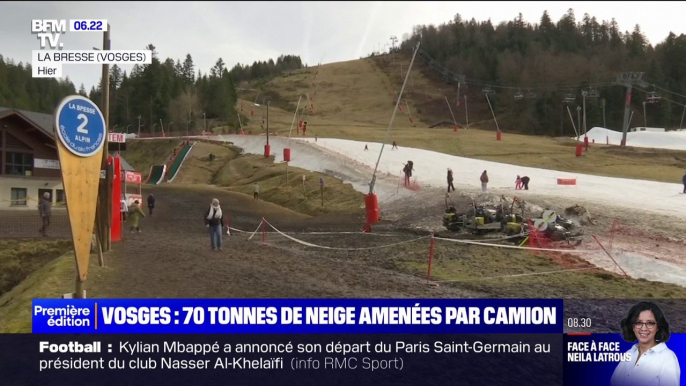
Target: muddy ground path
[{"x": 172, "y": 258}]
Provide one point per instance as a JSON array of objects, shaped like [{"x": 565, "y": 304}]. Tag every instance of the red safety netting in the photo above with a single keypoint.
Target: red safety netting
[{"x": 622, "y": 237}]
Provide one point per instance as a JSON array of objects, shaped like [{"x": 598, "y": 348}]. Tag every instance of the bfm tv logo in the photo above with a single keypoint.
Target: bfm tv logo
[{"x": 41, "y": 27}]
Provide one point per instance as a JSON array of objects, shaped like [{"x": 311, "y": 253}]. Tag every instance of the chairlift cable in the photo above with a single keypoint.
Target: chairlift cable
[
  {"x": 662, "y": 97},
  {"x": 671, "y": 92}
]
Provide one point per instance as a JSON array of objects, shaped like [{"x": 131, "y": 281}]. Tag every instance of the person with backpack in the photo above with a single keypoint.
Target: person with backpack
[
  {"x": 484, "y": 181},
  {"x": 450, "y": 180},
  {"x": 214, "y": 221}
]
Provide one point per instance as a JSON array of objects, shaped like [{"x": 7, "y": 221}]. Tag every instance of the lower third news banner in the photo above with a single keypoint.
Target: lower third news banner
[{"x": 288, "y": 341}]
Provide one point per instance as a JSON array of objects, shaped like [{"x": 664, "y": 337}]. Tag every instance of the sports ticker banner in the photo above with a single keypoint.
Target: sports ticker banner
[
  {"x": 346, "y": 341},
  {"x": 289, "y": 316}
]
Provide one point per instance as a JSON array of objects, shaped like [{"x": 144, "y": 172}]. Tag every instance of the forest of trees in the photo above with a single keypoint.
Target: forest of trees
[
  {"x": 265, "y": 70},
  {"x": 171, "y": 91},
  {"x": 546, "y": 60},
  {"x": 20, "y": 90},
  {"x": 553, "y": 59}
]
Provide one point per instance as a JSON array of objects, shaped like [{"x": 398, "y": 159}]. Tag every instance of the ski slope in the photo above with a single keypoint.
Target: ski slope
[
  {"x": 675, "y": 140},
  {"x": 346, "y": 160}
]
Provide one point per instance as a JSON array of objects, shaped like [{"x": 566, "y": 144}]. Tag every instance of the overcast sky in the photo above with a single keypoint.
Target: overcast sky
[{"x": 317, "y": 31}]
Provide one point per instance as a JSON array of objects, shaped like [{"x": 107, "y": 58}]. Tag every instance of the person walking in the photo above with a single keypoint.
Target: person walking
[
  {"x": 315, "y": 137},
  {"x": 256, "y": 192},
  {"x": 123, "y": 208},
  {"x": 214, "y": 221},
  {"x": 484, "y": 181},
  {"x": 450, "y": 180},
  {"x": 135, "y": 214},
  {"x": 151, "y": 203},
  {"x": 683, "y": 179},
  {"x": 525, "y": 182},
  {"x": 45, "y": 211},
  {"x": 365, "y": 147},
  {"x": 395, "y": 145}
]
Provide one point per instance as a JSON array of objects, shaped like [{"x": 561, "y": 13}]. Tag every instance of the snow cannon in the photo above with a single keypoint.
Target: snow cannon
[{"x": 371, "y": 203}]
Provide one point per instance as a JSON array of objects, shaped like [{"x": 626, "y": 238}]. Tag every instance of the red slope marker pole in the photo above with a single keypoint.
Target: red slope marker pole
[{"x": 264, "y": 230}]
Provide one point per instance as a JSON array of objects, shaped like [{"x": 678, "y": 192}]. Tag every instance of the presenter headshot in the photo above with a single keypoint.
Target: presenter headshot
[{"x": 652, "y": 362}]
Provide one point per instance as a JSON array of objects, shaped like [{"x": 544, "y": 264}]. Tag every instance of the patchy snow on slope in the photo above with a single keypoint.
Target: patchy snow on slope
[
  {"x": 348, "y": 161},
  {"x": 675, "y": 140},
  {"x": 349, "y": 158}
]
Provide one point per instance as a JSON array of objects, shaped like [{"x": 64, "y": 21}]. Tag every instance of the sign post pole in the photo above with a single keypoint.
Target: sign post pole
[{"x": 80, "y": 133}]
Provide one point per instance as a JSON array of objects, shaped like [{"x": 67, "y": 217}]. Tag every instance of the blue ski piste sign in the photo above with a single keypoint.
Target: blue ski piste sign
[
  {"x": 80, "y": 125},
  {"x": 80, "y": 135}
]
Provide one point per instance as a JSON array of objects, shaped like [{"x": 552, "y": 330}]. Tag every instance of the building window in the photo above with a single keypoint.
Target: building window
[
  {"x": 18, "y": 197},
  {"x": 18, "y": 163},
  {"x": 59, "y": 196}
]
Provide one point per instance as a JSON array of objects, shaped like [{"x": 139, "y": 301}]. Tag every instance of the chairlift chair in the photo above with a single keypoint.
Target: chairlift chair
[
  {"x": 487, "y": 90},
  {"x": 530, "y": 94},
  {"x": 570, "y": 97},
  {"x": 519, "y": 95},
  {"x": 653, "y": 97},
  {"x": 592, "y": 93}
]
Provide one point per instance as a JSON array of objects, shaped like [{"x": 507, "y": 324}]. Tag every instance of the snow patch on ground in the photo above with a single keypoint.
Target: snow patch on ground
[
  {"x": 638, "y": 265},
  {"x": 675, "y": 140},
  {"x": 348, "y": 158}
]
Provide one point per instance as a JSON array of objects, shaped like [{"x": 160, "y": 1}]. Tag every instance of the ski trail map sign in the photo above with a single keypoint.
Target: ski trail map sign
[{"x": 80, "y": 134}]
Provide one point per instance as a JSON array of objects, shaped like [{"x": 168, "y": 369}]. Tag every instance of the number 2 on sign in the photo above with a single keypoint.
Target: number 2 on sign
[{"x": 81, "y": 129}]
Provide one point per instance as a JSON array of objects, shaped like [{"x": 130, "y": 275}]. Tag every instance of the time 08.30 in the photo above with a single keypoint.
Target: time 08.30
[{"x": 579, "y": 322}]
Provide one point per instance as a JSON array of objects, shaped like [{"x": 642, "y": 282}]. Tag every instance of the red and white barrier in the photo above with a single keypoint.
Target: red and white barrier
[{"x": 566, "y": 181}]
